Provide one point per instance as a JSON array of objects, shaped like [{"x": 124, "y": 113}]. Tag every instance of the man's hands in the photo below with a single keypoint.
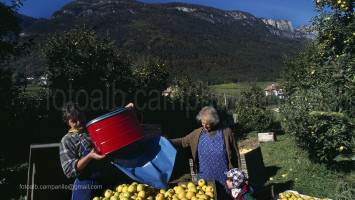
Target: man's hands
[
  {"x": 130, "y": 105},
  {"x": 96, "y": 156},
  {"x": 82, "y": 163}
]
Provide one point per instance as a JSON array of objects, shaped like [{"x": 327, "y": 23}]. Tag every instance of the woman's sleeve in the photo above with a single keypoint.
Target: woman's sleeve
[
  {"x": 182, "y": 142},
  {"x": 68, "y": 158},
  {"x": 235, "y": 150}
]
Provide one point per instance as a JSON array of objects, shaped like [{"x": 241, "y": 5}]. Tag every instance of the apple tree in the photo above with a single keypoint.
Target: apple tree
[
  {"x": 85, "y": 69},
  {"x": 320, "y": 84}
]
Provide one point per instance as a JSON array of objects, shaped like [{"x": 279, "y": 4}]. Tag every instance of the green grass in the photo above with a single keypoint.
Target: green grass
[
  {"x": 31, "y": 90},
  {"x": 234, "y": 89},
  {"x": 290, "y": 168}
]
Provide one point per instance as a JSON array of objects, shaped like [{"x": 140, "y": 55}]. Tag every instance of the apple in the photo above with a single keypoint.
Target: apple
[
  {"x": 124, "y": 188},
  {"x": 108, "y": 193},
  {"x": 190, "y": 184},
  {"x": 201, "y": 182},
  {"x": 204, "y": 188},
  {"x": 114, "y": 198},
  {"x": 140, "y": 187},
  {"x": 210, "y": 194},
  {"x": 204, "y": 196},
  {"x": 181, "y": 194},
  {"x": 142, "y": 194},
  {"x": 160, "y": 196},
  {"x": 209, "y": 189},
  {"x": 168, "y": 194},
  {"x": 132, "y": 188},
  {"x": 127, "y": 194},
  {"x": 119, "y": 188},
  {"x": 190, "y": 194},
  {"x": 179, "y": 189}
]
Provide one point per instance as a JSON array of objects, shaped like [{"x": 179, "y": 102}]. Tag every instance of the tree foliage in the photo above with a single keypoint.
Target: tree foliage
[
  {"x": 250, "y": 109},
  {"x": 320, "y": 84},
  {"x": 150, "y": 73},
  {"x": 9, "y": 29},
  {"x": 77, "y": 62}
]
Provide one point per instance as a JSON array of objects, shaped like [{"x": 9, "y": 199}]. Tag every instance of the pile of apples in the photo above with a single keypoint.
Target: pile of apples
[
  {"x": 295, "y": 196},
  {"x": 136, "y": 191}
]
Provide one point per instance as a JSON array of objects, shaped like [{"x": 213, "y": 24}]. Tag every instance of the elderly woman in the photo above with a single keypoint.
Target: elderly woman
[{"x": 214, "y": 149}]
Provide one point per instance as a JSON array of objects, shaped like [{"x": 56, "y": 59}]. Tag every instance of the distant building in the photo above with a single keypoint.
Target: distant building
[
  {"x": 30, "y": 78},
  {"x": 43, "y": 80},
  {"x": 170, "y": 91},
  {"x": 275, "y": 90}
]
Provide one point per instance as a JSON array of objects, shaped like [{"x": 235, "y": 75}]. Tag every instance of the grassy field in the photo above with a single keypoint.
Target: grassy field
[
  {"x": 287, "y": 167},
  {"x": 234, "y": 89},
  {"x": 31, "y": 90}
]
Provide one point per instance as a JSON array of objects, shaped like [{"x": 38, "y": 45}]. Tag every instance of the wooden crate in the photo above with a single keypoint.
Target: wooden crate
[
  {"x": 253, "y": 165},
  {"x": 266, "y": 137},
  {"x": 208, "y": 183}
]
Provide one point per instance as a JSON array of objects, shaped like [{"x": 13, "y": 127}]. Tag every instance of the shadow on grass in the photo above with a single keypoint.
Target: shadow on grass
[
  {"x": 268, "y": 191},
  {"x": 267, "y": 173},
  {"x": 262, "y": 191}
]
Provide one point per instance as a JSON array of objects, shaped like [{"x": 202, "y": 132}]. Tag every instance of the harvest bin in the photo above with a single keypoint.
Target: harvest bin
[{"x": 114, "y": 130}]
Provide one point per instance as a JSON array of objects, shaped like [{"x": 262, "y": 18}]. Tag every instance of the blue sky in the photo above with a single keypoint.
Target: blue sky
[{"x": 299, "y": 12}]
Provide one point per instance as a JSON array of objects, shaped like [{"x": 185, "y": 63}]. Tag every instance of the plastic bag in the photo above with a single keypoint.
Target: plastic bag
[{"x": 150, "y": 161}]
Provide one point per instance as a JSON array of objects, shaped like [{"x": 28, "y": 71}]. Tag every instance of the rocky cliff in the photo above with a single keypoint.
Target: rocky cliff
[{"x": 284, "y": 28}]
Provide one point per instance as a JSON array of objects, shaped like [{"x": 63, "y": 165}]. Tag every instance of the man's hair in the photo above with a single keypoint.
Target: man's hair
[{"x": 71, "y": 110}]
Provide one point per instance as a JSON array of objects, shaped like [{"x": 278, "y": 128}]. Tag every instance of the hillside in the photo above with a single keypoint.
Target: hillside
[{"x": 202, "y": 42}]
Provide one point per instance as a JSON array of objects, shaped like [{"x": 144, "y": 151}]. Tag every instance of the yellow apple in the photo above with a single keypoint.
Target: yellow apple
[
  {"x": 168, "y": 194},
  {"x": 108, "y": 193},
  {"x": 127, "y": 194},
  {"x": 201, "y": 182},
  {"x": 210, "y": 194},
  {"x": 124, "y": 188},
  {"x": 204, "y": 188},
  {"x": 181, "y": 194},
  {"x": 142, "y": 194},
  {"x": 114, "y": 198},
  {"x": 119, "y": 188},
  {"x": 140, "y": 187},
  {"x": 160, "y": 196},
  {"x": 209, "y": 189},
  {"x": 190, "y": 194},
  {"x": 132, "y": 188},
  {"x": 190, "y": 184}
]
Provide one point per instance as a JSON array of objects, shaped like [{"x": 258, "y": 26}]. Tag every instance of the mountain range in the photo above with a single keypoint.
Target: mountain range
[{"x": 201, "y": 42}]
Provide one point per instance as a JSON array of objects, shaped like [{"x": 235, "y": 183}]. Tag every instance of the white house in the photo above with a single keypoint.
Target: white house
[
  {"x": 274, "y": 89},
  {"x": 43, "y": 80}
]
